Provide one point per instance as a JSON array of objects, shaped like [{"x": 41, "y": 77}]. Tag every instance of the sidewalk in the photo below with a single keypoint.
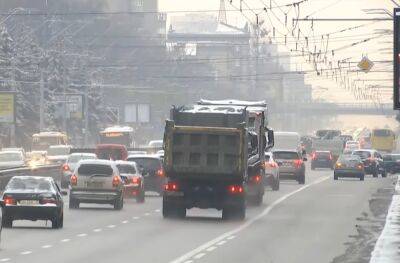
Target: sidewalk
[{"x": 387, "y": 247}]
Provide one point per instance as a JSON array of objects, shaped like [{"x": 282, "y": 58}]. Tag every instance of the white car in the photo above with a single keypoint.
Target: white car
[
  {"x": 58, "y": 154},
  {"x": 271, "y": 171},
  {"x": 351, "y": 146},
  {"x": 11, "y": 159}
]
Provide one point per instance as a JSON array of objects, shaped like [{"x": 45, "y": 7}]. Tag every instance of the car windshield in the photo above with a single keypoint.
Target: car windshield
[
  {"x": 147, "y": 163},
  {"x": 31, "y": 184},
  {"x": 126, "y": 169},
  {"x": 382, "y": 133},
  {"x": 54, "y": 151},
  {"x": 10, "y": 157},
  {"x": 362, "y": 154},
  {"x": 77, "y": 158},
  {"x": 286, "y": 155},
  {"x": 95, "y": 170}
]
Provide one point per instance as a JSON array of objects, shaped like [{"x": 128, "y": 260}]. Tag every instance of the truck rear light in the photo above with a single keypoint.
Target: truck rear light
[
  {"x": 116, "y": 180},
  {"x": 65, "y": 167},
  {"x": 160, "y": 172},
  {"x": 74, "y": 180},
  {"x": 235, "y": 189},
  {"x": 171, "y": 186},
  {"x": 9, "y": 200},
  {"x": 256, "y": 179}
]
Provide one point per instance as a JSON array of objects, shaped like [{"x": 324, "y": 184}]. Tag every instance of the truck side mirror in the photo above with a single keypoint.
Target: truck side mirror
[{"x": 271, "y": 139}]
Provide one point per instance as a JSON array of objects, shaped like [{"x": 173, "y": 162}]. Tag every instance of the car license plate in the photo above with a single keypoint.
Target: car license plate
[
  {"x": 94, "y": 184},
  {"x": 28, "y": 202},
  {"x": 287, "y": 164}
]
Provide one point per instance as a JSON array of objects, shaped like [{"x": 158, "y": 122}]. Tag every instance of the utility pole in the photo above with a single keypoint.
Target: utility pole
[
  {"x": 41, "y": 115},
  {"x": 86, "y": 134}
]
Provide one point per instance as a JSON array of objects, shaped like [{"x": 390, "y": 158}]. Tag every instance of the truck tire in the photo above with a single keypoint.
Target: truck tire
[
  {"x": 7, "y": 221},
  {"x": 237, "y": 212},
  {"x": 173, "y": 211},
  {"x": 119, "y": 203},
  {"x": 73, "y": 204}
]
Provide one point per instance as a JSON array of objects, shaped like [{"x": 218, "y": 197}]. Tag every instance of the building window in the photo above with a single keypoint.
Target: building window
[
  {"x": 137, "y": 113},
  {"x": 130, "y": 113}
]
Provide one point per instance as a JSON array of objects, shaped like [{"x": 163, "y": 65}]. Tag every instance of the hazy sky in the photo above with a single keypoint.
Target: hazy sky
[{"x": 317, "y": 9}]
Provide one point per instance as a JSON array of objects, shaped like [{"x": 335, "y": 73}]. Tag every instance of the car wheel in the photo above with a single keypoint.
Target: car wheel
[
  {"x": 73, "y": 204},
  {"x": 375, "y": 172},
  {"x": 7, "y": 222},
  {"x": 335, "y": 177},
  {"x": 302, "y": 179},
  {"x": 275, "y": 185},
  {"x": 140, "y": 198},
  {"x": 384, "y": 173},
  {"x": 173, "y": 211},
  {"x": 362, "y": 177},
  {"x": 119, "y": 203}
]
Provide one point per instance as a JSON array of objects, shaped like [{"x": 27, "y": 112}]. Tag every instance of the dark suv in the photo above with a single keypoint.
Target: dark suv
[
  {"x": 373, "y": 162},
  {"x": 321, "y": 159}
]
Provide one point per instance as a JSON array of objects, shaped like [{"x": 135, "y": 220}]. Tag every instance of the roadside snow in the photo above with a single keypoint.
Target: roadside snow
[{"x": 387, "y": 246}]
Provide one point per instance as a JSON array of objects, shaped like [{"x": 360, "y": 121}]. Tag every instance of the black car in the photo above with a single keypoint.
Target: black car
[
  {"x": 392, "y": 162},
  {"x": 151, "y": 167},
  {"x": 373, "y": 162},
  {"x": 349, "y": 165},
  {"x": 33, "y": 198},
  {"x": 321, "y": 159}
]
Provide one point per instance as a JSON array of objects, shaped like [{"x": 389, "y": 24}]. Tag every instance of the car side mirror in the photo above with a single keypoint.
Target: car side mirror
[
  {"x": 63, "y": 192},
  {"x": 305, "y": 159}
]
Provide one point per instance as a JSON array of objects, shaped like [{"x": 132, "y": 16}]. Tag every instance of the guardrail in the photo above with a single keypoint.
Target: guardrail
[{"x": 52, "y": 171}]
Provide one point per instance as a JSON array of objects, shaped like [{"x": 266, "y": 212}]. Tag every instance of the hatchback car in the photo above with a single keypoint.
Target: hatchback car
[
  {"x": 98, "y": 182},
  {"x": 271, "y": 171},
  {"x": 151, "y": 168},
  {"x": 373, "y": 162},
  {"x": 291, "y": 165},
  {"x": 321, "y": 159},
  {"x": 69, "y": 166},
  {"x": 33, "y": 198},
  {"x": 349, "y": 166},
  {"x": 392, "y": 162},
  {"x": 11, "y": 159},
  {"x": 133, "y": 180},
  {"x": 58, "y": 154}
]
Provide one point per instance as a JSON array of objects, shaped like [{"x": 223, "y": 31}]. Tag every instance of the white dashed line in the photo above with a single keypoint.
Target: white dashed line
[
  {"x": 198, "y": 256},
  {"x": 188, "y": 261},
  {"x": 47, "y": 246},
  {"x": 221, "y": 243},
  {"x": 157, "y": 210},
  {"x": 81, "y": 235},
  {"x": 211, "y": 248},
  {"x": 135, "y": 217},
  {"x": 230, "y": 238},
  {"x": 5, "y": 259},
  {"x": 26, "y": 252},
  {"x": 125, "y": 222},
  {"x": 111, "y": 226},
  {"x": 147, "y": 214},
  {"x": 97, "y": 230},
  {"x": 65, "y": 240}
]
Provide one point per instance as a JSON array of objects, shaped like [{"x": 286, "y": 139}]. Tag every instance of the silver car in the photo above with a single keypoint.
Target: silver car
[
  {"x": 69, "y": 166},
  {"x": 98, "y": 182},
  {"x": 291, "y": 165}
]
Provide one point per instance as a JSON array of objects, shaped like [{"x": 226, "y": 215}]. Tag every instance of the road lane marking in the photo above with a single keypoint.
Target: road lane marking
[
  {"x": 125, "y": 222},
  {"x": 65, "y": 240},
  {"x": 5, "y": 259},
  {"x": 211, "y": 249},
  {"x": 245, "y": 225},
  {"x": 188, "y": 261},
  {"x": 157, "y": 210},
  {"x": 147, "y": 214},
  {"x": 81, "y": 235},
  {"x": 97, "y": 230},
  {"x": 111, "y": 226},
  {"x": 230, "y": 238},
  {"x": 47, "y": 246},
  {"x": 198, "y": 256},
  {"x": 221, "y": 243},
  {"x": 26, "y": 252},
  {"x": 135, "y": 217}
]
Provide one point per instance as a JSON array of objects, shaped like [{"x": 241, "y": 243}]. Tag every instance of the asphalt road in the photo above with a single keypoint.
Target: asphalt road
[{"x": 307, "y": 223}]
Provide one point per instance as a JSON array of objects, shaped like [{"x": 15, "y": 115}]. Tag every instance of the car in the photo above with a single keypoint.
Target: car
[
  {"x": 133, "y": 180},
  {"x": 152, "y": 170},
  {"x": 69, "y": 166},
  {"x": 373, "y": 162},
  {"x": 271, "y": 171},
  {"x": 291, "y": 164},
  {"x": 37, "y": 158},
  {"x": 155, "y": 146},
  {"x": 14, "y": 149},
  {"x": 392, "y": 162},
  {"x": 1, "y": 216},
  {"x": 349, "y": 165},
  {"x": 11, "y": 159},
  {"x": 33, "y": 198},
  {"x": 351, "y": 146},
  {"x": 58, "y": 154},
  {"x": 96, "y": 182},
  {"x": 321, "y": 159}
]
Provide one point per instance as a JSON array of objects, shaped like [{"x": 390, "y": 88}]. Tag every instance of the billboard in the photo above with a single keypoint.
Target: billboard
[
  {"x": 396, "y": 59},
  {"x": 73, "y": 106},
  {"x": 7, "y": 107}
]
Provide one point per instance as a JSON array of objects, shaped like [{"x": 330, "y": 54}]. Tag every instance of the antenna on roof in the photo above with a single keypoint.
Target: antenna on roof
[{"x": 222, "y": 13}]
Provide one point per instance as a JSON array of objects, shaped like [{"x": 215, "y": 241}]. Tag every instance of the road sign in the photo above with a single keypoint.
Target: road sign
[
  {"x": 365, "y": 64},
  {"x": 396, "y": 59},
  {"x": 7, "y": 107}
]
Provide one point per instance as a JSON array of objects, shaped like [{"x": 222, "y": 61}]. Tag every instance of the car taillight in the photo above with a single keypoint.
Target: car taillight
[
  {"x": 48, "y": 200},
  {"x": 298, "y": 163},
  {"x": 8, "y": 200},
  {"x": 171, "y": 186},
  {"x": 74, "y": 180},
  {"x": 65, "y": 167},
  {"x": 256, "y": 179},
  {"x": 235, "y": 189},
  {"x": 160, "y": 172},
  {"x": 116, "y": 181},
  {"x": 360, "y": 166},
  {"x": 338, "y": 165},
  {"x": 314, "y": 156},
  {"x": 136, "y": 180}
]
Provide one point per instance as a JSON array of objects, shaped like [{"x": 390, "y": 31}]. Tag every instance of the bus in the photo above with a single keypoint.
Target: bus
[
  {"x": 123, "y": 135},
  {"x": 43, "y": 140},
  {"x": 383, "y": 140}
]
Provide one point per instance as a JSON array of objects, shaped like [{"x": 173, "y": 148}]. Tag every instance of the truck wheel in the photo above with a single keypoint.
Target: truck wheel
[
  {"x": 119, "y": 203},
  {"x": 302, "y": 179},
  {"x": 258, "y": 199},
  {"x": 73, "y": 204},
  {"x": 237, "y": 212},
  {"x": 275, "y": 185},
  {"x": 166, "y": 209},
  {"x": 173, "y": 211},
  {"x": 140, "y": 197}
]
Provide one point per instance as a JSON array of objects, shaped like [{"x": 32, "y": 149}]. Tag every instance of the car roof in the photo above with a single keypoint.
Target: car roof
[
  {"x": 26, "y": 177},
  {"x": 97, "y": 161},
  {"x": 119, "y": 162},
  {"x": 149, "y": 156}
]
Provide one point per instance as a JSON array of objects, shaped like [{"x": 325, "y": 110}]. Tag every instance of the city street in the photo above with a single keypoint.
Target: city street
[{"x": 307, "y": 223}]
